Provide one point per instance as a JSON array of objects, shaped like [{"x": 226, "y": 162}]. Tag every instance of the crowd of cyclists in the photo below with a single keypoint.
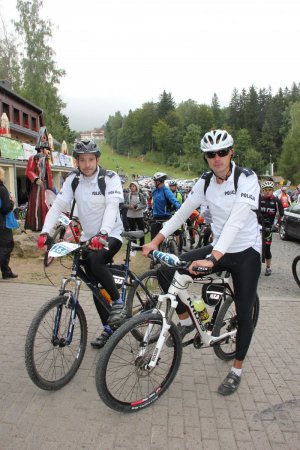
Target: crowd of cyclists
[{"x": 241, "y": 214}]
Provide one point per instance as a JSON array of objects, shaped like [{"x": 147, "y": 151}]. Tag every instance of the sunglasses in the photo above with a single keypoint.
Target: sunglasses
[{"x": 220, "y": 153}]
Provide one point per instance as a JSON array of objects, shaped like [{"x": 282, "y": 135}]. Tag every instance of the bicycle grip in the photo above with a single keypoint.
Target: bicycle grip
[{"x": 201, "y": 269}]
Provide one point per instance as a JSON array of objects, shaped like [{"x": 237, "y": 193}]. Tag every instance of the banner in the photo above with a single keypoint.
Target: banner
[
  {"x": 11, "y": 149},
  {"x": 29, "y": 150}
]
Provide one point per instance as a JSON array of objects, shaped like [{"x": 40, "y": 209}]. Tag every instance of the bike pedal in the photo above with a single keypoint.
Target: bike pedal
[{"x": 197, "y": 341}]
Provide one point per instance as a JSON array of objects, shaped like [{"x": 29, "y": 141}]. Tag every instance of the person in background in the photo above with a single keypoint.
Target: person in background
[
  {"x": 38, "y": 171},
  {"x": 7, "y": 202},
  {"x": 284, "y": 198},
  {"x": 163, "y": 202},
  {"x": 271, "y": 207},
  {"x": 136, "y": 203}
]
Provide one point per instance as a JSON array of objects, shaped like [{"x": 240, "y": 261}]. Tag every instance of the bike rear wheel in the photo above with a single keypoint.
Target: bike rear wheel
[
  {"x": 123, "y": 380},
  {"x": 227, "y": 321},
  {"x": 140, "y": 298},
  {"x": 296, "y": 270},
  {"x": 51, "y": 365}
]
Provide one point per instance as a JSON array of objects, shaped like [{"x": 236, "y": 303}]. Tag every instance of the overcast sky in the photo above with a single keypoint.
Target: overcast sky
[{"x": 120, "y": 54}]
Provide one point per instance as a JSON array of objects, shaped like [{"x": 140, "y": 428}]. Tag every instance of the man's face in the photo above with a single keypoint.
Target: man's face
[
  {"x": 173, "y": 188},
  {"x": 87, "y": 164},
  {"x": 267, "y": 192},
  {"x": 220, "y": 163}
]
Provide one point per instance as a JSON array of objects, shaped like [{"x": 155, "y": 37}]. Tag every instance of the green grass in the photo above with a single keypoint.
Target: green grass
[{"x": 112, "y": 160}]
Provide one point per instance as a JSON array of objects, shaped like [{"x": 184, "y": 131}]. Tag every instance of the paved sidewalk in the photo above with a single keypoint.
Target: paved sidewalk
[{"x": 263, "y": 414}]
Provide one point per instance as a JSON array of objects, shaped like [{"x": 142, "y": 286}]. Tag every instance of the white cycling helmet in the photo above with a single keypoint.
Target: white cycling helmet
[
  {"x": 267, "y": 185},
  {"x": 160, "y": 176},
  {"x": 215, "y": 140}
]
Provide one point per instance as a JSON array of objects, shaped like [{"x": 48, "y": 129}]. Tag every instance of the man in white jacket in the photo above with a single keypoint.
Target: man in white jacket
[
  {"x": 236, "y": 242},
  {"x": 99, "y": 218}
]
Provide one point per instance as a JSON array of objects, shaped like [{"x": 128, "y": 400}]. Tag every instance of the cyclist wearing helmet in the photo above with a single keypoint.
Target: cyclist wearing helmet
[
  {"x": 162, "y": 202},
  {"x": 270, "y": 207},
  {"x": 284, "y": 197},
  {"x": 173, "y": 188},
  {"x": 236, "y": 242},
  {"x": 100, "y": 218}
]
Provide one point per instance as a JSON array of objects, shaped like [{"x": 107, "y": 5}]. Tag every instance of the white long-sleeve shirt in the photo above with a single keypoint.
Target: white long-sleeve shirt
[
  {"x": 95, "y": 211},
  {"x": 235, "y": 226}
]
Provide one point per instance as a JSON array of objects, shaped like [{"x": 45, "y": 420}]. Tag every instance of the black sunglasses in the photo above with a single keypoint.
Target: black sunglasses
[{"x": 220, "y": 153}]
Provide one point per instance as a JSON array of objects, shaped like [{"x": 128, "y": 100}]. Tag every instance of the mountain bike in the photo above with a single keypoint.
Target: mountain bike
[
  {"x": 68, "y": 230},
  {"x": 296, "y": 269},
  {"x": 137, "y": 365},
  {"x": 57, "y": 337}
]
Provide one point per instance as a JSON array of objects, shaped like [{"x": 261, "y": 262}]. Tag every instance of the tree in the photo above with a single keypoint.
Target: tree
[
  {"x": 40, "y": 76},
  {"x": 165, "y": 105},
  {"x": 289, "y": 163},
  {"x": 216, "y": 111},
  {"x": 9, "y": 58}
]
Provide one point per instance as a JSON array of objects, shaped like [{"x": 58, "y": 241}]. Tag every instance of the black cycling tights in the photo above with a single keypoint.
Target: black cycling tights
[
  {"x": 245, "y": 269},
  {"x": 95, "y": 266}
]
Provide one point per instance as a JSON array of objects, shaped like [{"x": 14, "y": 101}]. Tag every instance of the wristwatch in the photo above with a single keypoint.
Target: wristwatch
[{"x": 212, "y": 259}]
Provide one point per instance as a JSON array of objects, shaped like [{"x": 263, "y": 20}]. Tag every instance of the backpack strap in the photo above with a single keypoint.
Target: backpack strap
[
  {"x": 101, "y": 183},
  {"x": 207, "y": 176}
]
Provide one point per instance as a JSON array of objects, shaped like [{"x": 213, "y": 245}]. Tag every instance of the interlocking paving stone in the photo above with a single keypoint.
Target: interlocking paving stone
[{"x": 263, "y": 414}]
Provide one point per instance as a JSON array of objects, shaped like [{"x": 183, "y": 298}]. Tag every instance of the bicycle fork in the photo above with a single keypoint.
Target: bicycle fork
[
  {"x": 71, "y": 303},
  {"x": 163, "y": 334}
]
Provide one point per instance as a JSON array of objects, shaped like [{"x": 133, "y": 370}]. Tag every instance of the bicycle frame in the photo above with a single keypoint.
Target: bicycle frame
[
  {"x": 178, "y": 288},
  {"x": 78, "y": 276}
]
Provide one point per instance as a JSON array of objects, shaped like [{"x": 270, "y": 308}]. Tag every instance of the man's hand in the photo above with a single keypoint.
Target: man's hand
[
  {"x": 95, "y": 243},
  {"x": 39, "y": 182},
  {"x": 147, "y": 248},
  {"x": 44, "y": 240},
  {"x": 200, "y": 263}
]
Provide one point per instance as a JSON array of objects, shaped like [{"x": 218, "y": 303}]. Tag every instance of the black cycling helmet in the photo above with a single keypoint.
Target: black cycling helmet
[
  {"x": 86, "y": 147},
  {"x": 160, "y": 177}
]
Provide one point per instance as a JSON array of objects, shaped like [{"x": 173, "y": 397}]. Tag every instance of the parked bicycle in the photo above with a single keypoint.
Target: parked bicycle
[
  {"x": 296, "y": 269},
  {"x": 137, "y": 365},
  {"x": 57, "y": 337}
]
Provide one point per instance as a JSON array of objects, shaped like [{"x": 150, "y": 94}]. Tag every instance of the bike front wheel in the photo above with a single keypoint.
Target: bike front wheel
[
  {"x": 296, "y": 270},
  {"x": 227, "y": 321},
  {"x": 124, "y": 381},
  {"x": 50, "y": 362},
  {"x": 58, "y": 236}
]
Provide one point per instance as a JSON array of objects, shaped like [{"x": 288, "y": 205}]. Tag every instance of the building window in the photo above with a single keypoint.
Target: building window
[
  {"x": 6, "y": 109},
  {"x": 25, "y": 120},
  {"x": 33, "y": 124},
  {"x": 16, "y": 116}
]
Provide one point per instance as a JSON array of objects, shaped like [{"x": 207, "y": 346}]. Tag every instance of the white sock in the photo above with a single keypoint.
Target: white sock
[
  {"x": 186, "y": 322},
  {"x": 238, "y": 372}
]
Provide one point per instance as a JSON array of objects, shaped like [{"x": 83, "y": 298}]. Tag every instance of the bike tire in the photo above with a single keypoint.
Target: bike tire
[
  {"x": 227, "y": 321},
  {"x": 51, "y": 367},
  {"x": 138, "y": 300},
  {"x": 172, "y": 247},
  {"x": 58, "y": 236},
  {"x": 122, "y": 380},
  {"x": 296, "y": 269}
]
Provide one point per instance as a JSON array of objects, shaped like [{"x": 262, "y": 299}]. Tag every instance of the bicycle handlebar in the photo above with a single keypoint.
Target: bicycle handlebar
[{"x": 173, "y": 261}]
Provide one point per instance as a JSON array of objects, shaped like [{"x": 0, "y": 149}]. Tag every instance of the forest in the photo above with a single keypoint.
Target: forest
[{"x": 265, "y": 128}]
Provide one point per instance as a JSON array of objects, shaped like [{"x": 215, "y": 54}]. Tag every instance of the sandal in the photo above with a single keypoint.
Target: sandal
[{"x": 230, "y": 384}]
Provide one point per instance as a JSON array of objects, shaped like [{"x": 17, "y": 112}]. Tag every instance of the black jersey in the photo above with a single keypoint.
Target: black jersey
[{"x": 269, "y": 208}]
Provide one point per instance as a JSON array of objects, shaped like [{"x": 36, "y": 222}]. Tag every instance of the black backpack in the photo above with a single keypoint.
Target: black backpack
[{"x": 207, "y": 176}]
